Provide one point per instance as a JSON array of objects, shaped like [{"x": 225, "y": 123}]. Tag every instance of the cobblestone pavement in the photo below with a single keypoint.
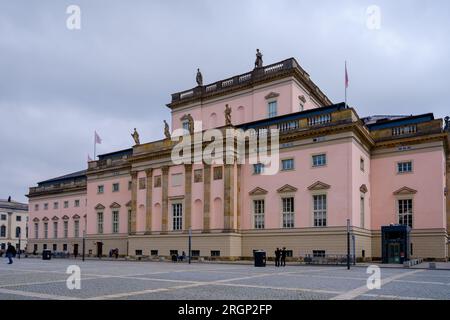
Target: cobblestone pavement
[{"x": 38, "y": 279}]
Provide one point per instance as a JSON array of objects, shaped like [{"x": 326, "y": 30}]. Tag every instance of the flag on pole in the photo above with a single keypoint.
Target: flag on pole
[
  {"x": 346, "y": 76},
  {"x": 97, "y": 138}
]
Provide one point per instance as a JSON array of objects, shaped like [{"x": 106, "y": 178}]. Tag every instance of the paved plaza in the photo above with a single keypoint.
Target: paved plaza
[{"x": 38, "y": 279}]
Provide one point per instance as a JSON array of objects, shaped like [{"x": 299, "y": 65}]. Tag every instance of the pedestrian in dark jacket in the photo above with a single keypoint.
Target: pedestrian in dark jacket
[
  {"x": 283, "y": 257},
  {"x": 10, "y": 253},
  {"x": 277, "y": 257}
]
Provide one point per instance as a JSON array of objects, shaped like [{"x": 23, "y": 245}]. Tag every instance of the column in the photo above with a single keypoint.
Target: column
[
  {"x": 228, "y": 205},
  {"x": 133, "y": 202},
  {"x": 206, "y": 197},
  {"x": 9, "y": 231},
  {"x": 149, "y": 202},
  {"x": 238, "y": 197},
  {"x": 165, "y": 198},
  {"x": 187, "y": 196}
]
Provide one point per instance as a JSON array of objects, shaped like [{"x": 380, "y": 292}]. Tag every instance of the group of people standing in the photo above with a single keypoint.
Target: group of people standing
[{"x": 280, "y": 257}]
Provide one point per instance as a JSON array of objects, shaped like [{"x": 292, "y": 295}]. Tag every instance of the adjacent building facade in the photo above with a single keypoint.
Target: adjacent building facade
[
  {"x": 13, "y": 224},
  {"x": 334, "y": 166}
]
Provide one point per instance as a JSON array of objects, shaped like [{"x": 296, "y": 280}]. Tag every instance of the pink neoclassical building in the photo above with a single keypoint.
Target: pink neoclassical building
[{"x": 386, "y": 175}]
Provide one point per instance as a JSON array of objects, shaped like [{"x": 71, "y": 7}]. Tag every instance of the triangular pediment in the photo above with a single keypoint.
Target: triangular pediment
[
  {"x": 75, "y": 217},
  {"x": 36, "y": 219},
  {"x": 128, "y": 204},
  {"x": 272, "y": 95},
  {"x": 99, "y": 207},
  {"x": 65, "y": 217},
  {"x": 404, "y": 191},
  {"x": 44, "y": 219},
  {"x": 257, "y": 192},
  {"x": 363, "y": 188},
  {"x": 302, "y": 98},
  {"x": 55, "y": 218},
  {"x": 287, "y": 188},
  {"x": 319, "y": 185},
  {"x": 114, "y": 205}
]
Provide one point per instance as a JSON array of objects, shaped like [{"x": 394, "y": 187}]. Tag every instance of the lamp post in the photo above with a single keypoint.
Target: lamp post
[
  {"x": 348, "y": 244},
  {"x": 189, "y": 246},
  {"x": 20, "y": 235},
  {"x": 84, "y": 243}
]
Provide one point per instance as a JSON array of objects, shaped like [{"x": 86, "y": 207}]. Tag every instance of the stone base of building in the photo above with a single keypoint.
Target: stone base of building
[{"x": 429, "y": 244}]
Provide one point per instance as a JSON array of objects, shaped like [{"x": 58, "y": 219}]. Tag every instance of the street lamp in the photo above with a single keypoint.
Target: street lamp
[
  {"x": 84, "y": 242},
  {"x": 20, "y": 234},
  {"x": 190, "y": 242},
  {"x": 348, "y": 244}
]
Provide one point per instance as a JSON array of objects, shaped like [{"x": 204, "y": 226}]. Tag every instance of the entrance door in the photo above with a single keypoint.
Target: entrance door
[
  {"x": 75, "y": 249},
  {"x": 99, "y": 249},
  {"x": 394, "y": 253}
]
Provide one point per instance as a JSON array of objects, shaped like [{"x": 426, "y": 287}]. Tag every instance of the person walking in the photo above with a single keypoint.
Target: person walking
[
  {"x": 277, "y": 257},
  {"x": 283, "y": 257},
  {"x": 10, "y": 253}
]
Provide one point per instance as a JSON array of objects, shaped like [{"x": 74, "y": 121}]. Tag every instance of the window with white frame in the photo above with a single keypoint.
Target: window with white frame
[
  {"x": 66, "y": 229},
  {"x": 76, "y": 229},
  {"x": 115, "y": 221},
  {"x": 100, "y": 189},
  {"x": 320, "y": 210},
  {"x": 36, "y": 230},
  {"x": 258, "y": 214},
  {"x": 319, "y": 160},
  {"x": 77, "y": 203},
  {"x": 362, "y": 210},
  {"x": 404, "y": 166},
  {"x": 66, "y": 204},
  {"x": 55, "y": 205},
  {"x": 45, "y": 206},
  {"x": 258, "y": 168},
  {"x": 99, "y": 222},
  {"x": 55, "y": 229},
  {"x": 45, "y": 230},
  {"x": 288, "y": 212},
  {"x": 36, "y": 207},
  {"x": 287, "y": 164},
  {"x": 115, "y": 187},
  {"x": 177, "y": 216},
  {"x": 405, "y": 212},
  {"x": 272, "y": 106}
]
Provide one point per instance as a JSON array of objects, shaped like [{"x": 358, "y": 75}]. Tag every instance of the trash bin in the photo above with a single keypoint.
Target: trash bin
[
  {"x": 46, "y": 254},
  {"x": 260, "y": 258}
]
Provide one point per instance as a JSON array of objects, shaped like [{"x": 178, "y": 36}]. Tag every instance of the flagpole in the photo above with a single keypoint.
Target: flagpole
[
  {"x": 95, "y": 145},
  {"x": 346, "y": 84}
]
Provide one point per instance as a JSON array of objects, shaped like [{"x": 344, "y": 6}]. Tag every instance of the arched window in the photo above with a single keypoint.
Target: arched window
[
  {"x": 241, "y": 114},
  {"x": 18, "y": 232},
  {"x": 3, "y": 231}
]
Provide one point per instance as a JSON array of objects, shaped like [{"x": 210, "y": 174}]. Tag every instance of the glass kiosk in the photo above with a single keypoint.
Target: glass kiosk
[{"x": 395, "y": 243}]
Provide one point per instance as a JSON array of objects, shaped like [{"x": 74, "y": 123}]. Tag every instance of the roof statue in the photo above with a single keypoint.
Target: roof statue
[{"x": 135, "y": 136}]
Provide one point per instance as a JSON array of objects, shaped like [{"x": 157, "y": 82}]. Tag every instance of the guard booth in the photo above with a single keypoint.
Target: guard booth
[{"x": 395, "y": 243}]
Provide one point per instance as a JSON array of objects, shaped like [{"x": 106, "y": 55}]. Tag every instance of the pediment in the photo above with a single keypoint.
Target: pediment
[
  {"x": 45, "y": 219},
  {"x": 65, "y": 217},
  {"x": 319, "y": 185},
  {"x": 257, "y": 192},
  {"x": 363, "y": 188},
  {"x": 404, "y": 191},
  {"x": 36, "y": 219},
  {"x": 272, "y": 95},
  {"x": 302, "y": 98},
  {"x": 114, "y": 205},
  {"x": 99, "y": 207},
  {"x": 75, "y": 217},
  {"x": 55, "y": 218},
  {"x": 287, "y": 189}
]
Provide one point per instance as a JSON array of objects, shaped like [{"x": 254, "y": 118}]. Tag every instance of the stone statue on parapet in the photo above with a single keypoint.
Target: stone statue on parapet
[
  {"x": 447, "y": 123},
  {"x": 166, "y": 130},
  {"x": 191, "y": 123},
  {"x": 259, "y": 60},
  {"x": 135, "y": 136},
  {"x": 199, "y": 78},
  {"x": 227, "y": 115}
]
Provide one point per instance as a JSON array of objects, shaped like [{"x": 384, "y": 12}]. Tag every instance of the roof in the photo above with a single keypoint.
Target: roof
[
  {"x": 116, "y": 154},
  {"x": 70, "y": 176},
  {"x": 402, "y": 121},
  {"x": 379, "y": 118},
  {"x": 13, "y": 205}
]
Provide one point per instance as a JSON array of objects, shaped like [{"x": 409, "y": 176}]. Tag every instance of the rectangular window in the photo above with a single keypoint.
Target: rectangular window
[
  {"x": 65, "y": 247},
  {"x": 287, "y": 164},
  {"x": 215, "y": 253},
  {"x": 66, "y": 229},
  {"x": 319, "y": 160},
  {"x": 157, "y": 182},
  {"x": 45, "y": 230},
  {"x": 36, "y": 207},
  {"x": 142, "y": 183},
  {"x": 177, "y": 179},
  {"x": 115, "y": 219},
  {"x": 55, "y": 247},
  {"x": 174, "y": 252},
  {"x": 115, "y": 187},
  {"x": 185, "y": 125},
  {"x": 198, "y": 175},
  {"x": 55, "y": 229},
  {"x": 44, "y": 246},
  {"x": 258, "y": 213},
  {"x": 3, "y": 217},
  {"x": 130, "y": 185},
  {"x": 319, "y": 253},
  {"x": 77, "y": 203},
  {"x": 66, "y": 204},
  {"x": 289, "y": 253},
  {"x": 272, "y": 109},
  {"x": 18, "y": 218},
  {"x": 258, "y": 168},
  {"x": 138, "y": 252},
  {"x": 404, "y": 167},
  {"x": 36, "y": 230},
  {"x": 99, "y": 222},
  {"x": 177, "y": 216},
  {"x": 361, "y": 164},
  {"x": 320, "y": 210},
  {"x": 100, "y": 189},
  {"x": 76, "y": 229},
  {"x": 288, "y": 212},
  {"x": 45, "y": 206},
  {"x": 405, "y": 212},
  {"x": 217, "y": 172},
  {"x": 55, "y": 205},
  {"x": 361, "y": 210},
  {"x": 154, "y": 252}
]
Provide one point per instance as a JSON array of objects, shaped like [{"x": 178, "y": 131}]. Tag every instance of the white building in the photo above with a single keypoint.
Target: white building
[{"x": 13, "y": 224}]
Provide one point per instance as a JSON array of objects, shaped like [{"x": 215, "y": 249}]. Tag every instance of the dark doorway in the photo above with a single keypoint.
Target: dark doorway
[
  {"x": 395, "y": 243},
  {"x": 75, "y": 250},
  {"x": 99, "y": 249}
]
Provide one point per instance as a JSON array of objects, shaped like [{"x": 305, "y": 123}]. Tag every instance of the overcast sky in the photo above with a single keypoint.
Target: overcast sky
[{"x": 117, "y": 72}]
